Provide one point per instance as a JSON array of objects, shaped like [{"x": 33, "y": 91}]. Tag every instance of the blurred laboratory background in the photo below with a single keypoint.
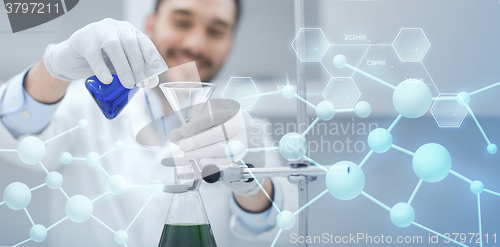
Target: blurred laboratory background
[{"x": 464, "y": 55}]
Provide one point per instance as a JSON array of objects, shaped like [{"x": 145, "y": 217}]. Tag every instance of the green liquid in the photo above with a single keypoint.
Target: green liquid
[{"x": 187, "y": 236}]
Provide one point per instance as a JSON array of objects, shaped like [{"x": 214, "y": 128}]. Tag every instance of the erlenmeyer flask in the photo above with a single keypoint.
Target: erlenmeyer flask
[
  {"x": 187, "y": 223},
  {"x": 111, "y": 98}
]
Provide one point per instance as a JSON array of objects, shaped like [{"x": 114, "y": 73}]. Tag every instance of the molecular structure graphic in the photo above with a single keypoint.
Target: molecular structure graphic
[
  {"x": 412, "y": 98},
  {"x": 78, "y": 208}
]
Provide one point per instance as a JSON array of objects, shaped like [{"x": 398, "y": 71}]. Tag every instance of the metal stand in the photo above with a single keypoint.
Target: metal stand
[
  {"x": 303, "y": 181},
  {"x": 303, "y": 189}
]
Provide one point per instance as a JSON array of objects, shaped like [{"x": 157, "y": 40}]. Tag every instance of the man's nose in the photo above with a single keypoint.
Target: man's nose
[{"x": 195, "y": 41}]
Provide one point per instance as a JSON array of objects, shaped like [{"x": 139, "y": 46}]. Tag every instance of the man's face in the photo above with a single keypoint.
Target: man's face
[{"x": 194, "y": 30}]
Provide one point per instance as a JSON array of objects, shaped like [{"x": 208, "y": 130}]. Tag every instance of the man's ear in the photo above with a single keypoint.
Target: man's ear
[{"x": 150, "y": 25}]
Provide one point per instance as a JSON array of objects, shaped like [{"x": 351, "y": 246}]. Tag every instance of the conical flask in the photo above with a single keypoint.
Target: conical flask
[
  {"x": 187, "y": 223},
  {"x": 111, "y": 98}
]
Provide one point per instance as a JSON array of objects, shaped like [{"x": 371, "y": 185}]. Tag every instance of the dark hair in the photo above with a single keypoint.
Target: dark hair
[{"x": 237, "y": 2}]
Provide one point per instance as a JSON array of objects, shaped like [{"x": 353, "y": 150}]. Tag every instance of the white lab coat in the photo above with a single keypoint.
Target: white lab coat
[{"x": 138, "y": 167}]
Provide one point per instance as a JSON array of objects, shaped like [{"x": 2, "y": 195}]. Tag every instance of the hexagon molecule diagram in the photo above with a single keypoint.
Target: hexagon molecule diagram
[
  {"x": 447, "y": 112},
  {"x": 411, "y": 44},
  {"x": 342, "y": 92},
  {"x": 310, "y": 44},
  {"x": 243, "y": 90}
]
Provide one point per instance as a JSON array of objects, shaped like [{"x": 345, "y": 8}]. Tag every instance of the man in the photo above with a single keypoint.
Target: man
[{"x": 42, "y": 102}]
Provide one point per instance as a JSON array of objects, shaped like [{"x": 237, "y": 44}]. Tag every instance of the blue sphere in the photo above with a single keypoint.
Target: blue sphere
[
  {"x": 79, "y": 208},
  {"x": 380, "y": 140},
  {"x": 54, "y": 180},
  {"x": 288, "y": 91},
  {"x": 119, "y": 145},
  {"x": 66, "y": 158},
  {"x": 432, "y": 162},
  {"x": 93, "y": 159},
  {"x": 477, "y": 187},
  {"x": 116, "y": 184},
  {"x": 492, "y": 148},
  {"x": 17, "y": 196},
  {"x": 363, "y": 109},
  {"x": 121, "y": 237},
  {"x": 31, "y": 150},
  {"x": 325, "y": 110},
  {"x": 285, "y": 220},
  {"x": 342, "y": 185},
  {"x": 235, "y": 150},
  {"x": 82, "y": 124},
  {"x": 402, "y": 214},
  {"x": 339, "y": 61},
  {"x": 293, "y": 146},
  {"x": 412, "y": 98},
  {"x": 463, "y": 98},
  {"x": 38, "y": 233}
]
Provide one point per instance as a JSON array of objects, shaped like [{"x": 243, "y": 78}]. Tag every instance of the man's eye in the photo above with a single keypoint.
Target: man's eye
[
  {"x": 215, "y": 32},
  {"x": 183, "y": 24}
]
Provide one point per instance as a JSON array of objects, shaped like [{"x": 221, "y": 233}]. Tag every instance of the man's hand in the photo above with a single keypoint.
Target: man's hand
[
  {"x": 209, "y": 145},
  {"x": 81, "y": 55},
  {"x": 89, "y": 51}
]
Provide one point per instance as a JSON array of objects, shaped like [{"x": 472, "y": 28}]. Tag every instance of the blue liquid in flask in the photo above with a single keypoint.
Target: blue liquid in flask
[{"x": 111, "y": 98}]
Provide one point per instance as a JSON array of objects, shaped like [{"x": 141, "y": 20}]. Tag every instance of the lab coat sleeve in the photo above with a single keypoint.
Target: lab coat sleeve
[
  {"x": 252, "y": 224},
  {"x": 44, "y": 122},
  {"x": 20, "y": 113},
  {"x": 262, "y": 226}
]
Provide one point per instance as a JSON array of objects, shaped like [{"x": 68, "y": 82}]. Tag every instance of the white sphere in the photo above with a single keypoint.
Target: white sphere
[
  {"x": 17, "y": 196},
  {"x": 38, "y": 233},
  {"x": 285, "y": 220},
  {"x": 288, "y": 91},
  {"x": 345, "y": 186},
  {"x": 31, "y": 150},
  {"x": 156, "y": 187},
  {"x": 121, "y": 237},
  {"x": 93, "y": 159},
  {"x": 66, "y": 158},
  {"x": 82, "y": 124},
  {"x": 79, "y": 208},
  {"x": 119, "y": 145},
  {"x": 325, "y": 110},
  {"x": 235, "y": 150},
  {"x": 402, "y": 214},
  {"x": 116, "y": 184},
  {"x": 153, "y": 81},
  {"x": 54, "y": 180},
  {"x": 363, "y": 109}
]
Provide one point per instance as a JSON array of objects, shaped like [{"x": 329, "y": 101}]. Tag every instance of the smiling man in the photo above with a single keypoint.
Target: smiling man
[
  {"x": 194, "y": 30},
  {"x": 49, "y": 97}
]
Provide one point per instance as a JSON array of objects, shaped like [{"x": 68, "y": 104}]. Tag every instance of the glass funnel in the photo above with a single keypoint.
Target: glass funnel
[{"x": 187, "y": 99}]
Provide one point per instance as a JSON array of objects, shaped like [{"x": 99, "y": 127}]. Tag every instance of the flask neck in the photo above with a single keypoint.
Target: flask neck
[{"x": 187, "y": 209}]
